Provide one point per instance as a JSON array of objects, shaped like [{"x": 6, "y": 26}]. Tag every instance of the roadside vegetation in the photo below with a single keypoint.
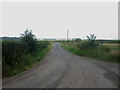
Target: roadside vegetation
[
  {"x": 20, "y": 55},
  {"x": 95, "y": 49}
]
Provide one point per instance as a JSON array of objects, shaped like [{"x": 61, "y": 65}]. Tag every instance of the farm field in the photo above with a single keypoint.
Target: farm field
[{"x": 110, "y": 44}]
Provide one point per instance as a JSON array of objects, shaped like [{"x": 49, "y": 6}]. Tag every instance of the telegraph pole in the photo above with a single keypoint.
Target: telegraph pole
[{"x": 67, "y": 34}]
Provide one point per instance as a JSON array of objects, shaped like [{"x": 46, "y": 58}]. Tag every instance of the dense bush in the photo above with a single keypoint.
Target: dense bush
[
  {"x": 87, "y": 45},
  {"x": 12, "y": 51},
  {"x": 16, "y": 56}
]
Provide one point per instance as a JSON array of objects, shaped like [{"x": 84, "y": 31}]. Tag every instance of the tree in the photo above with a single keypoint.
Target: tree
[
  {"x": 29, "y": 38},
  {"x": 92, "y": 39}
]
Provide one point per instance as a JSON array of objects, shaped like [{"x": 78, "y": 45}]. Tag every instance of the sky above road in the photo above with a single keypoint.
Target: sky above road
[{"x": 53, "y": 19}]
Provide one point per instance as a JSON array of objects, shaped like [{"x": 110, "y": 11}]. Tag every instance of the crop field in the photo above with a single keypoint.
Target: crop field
[
  {"x": 113, "y": 46},
  {"x": 109, "y": 44},
  {"x": 17, "y": 58}
]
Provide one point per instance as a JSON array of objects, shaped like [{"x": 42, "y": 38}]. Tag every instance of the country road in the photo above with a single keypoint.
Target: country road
[{"x": 62, "y": 69}]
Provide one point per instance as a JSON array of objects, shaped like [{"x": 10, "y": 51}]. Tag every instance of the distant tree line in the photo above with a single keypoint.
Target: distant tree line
[
  {"x": 108, "y": 41},
  {"x": 10, "y": 38}
]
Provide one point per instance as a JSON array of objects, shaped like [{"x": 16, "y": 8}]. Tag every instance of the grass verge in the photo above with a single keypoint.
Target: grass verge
[{"x": 99, "y": 53}]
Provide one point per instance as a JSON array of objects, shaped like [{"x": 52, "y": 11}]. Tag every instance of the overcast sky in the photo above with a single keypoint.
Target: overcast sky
[{"x": 50, "y": 19}]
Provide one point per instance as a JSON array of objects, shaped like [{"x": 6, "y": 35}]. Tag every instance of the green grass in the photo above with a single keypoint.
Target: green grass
[
  {"x": 16, "y": 59},
  {"x": 74, "y": 50},
  {"x": 102, "y": 53}
]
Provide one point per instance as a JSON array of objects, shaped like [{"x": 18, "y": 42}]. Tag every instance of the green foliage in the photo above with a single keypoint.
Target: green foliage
[
  {"x": 29, "y": 38},
  {"x": 74, "y": 50},
  {"x": 17, "y": 58},
  {"x": 92, "y": 41},
  {"x": 92, "y": 37},
  {"x": 88, "y": 45},
  {"x": 12, "y": 51},
  {"x": 99, "y": 52},
  {"x": 78, "y": 39}
]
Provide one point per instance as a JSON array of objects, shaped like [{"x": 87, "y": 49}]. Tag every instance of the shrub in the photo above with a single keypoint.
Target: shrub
[
  {"x": 12, "y": 51},
  {"x": 87, "y": 45},
  {"x": 90, "y": 44}
]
